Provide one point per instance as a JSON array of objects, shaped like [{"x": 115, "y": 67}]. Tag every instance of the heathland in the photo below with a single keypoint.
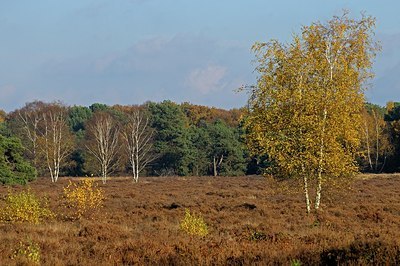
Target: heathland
[
  {"x": 306, "y": 128},
  {"x": 250, "y": 220}
]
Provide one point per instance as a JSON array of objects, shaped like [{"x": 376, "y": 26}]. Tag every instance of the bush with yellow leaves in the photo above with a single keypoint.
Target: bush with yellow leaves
[
  {"x": 194, "y": 224},
  {"x": 29, "y": 251},
  {"x": 25, "y": 206},
  {"x": 84, "y": 197}
]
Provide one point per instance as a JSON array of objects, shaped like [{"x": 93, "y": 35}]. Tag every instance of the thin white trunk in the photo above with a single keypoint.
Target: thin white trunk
[
  {"x": 30, "y": 125},
  {"x": 137, "y": 161},
  {"x": 366, "y": 131},
  {"x": 377, "y": 140},
  {"x": 215, "y": 166},
  {"x": 106, "y": 143},
  {"x": 133, "y": 164},
  {"x": 331, "y": 59},
  {"x": 217, "y": 163},
  {"x": 320, "y": 163},
  {"x": 304, "y": 174},
  {"x": 137, "y": 137},
  {"x": 308, "y": 205},
  {"x": 306, "y": 193}
]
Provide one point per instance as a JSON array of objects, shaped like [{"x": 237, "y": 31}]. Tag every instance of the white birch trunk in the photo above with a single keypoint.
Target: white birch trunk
[
  {"x": 105, "y": 149},
  {"x": 137, "y": 136},
  {"x": 320, "y": 164},
  {"x": 367, "y": 140},
  {"x": 30, "y": 125},
  {"x": 56, "y": 147},
  {"x": 307, "y": 197},
  {"x": 377, "y": 141}
]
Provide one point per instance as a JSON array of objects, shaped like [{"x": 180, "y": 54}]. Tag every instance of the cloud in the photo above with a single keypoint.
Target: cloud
[
  {"x": 101, "y": 64},
  {"x": 165, "y": 54},
  {"x": 206, "y": 80},
  {"x": 7, "y": 91},
  {"x": 156, "y": 54},
  {"x": 8, "y": 96},
  {"x": 183, "y": 67}
]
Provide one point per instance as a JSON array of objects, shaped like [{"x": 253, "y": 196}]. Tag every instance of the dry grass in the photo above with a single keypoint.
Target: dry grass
[{"x": 248, "y": 223}]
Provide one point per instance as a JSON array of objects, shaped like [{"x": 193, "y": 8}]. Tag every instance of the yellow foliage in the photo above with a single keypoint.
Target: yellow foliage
[
  {"x": 25, "y": 207},
  {"x": 194, "y": 225},
  {"x": 30, "y": 251},
  {"x": 2, "y": 116},
  {"x": 84, "y": 196},
  {"x": 305, "y": 110}
]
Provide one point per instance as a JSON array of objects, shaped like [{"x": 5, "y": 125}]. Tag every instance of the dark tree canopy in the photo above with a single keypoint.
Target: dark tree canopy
[
  {"x": 171, "y": 138},
  {"x": 14, "y": 169},
  {"x": 78, "y": 116}
]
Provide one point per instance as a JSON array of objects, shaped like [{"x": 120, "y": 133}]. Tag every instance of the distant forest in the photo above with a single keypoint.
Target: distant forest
[{"x": 160, "y": 139}]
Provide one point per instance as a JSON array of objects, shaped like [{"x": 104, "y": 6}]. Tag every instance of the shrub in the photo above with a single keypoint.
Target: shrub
[
  {"x": 84, "y": 196},
  {"x": 257, "y": 236},
  {"x": 295, "y": 262},
  {"x": 194, "y": 225},
  {"x": 25, "y": 207},
  {"x": 29, "y": 251}
]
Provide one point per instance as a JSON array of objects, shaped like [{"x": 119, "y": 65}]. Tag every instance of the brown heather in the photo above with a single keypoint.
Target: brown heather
[{"x": 248, "y": 221}]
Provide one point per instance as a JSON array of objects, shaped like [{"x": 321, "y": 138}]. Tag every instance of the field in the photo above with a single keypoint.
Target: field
[{"x": 251, "y": 220}]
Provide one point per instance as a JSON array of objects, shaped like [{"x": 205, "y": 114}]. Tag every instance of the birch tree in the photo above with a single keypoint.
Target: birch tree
[
  {"x": 30, "y": 121},
  {"x": 375, "y": 142},
  {"x": 55, "y": 139},
  {"x": 25, "y": 124},
  {"x": 138, "y": 136},
  {"x": 305, "y": 110},
  {"x": 103, "y": 142}
]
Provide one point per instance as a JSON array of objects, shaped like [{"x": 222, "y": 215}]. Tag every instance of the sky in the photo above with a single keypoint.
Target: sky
[{"x": 132, "y": 51}]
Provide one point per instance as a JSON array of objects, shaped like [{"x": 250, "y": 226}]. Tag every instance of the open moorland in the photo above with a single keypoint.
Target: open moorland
[{"x": 251, "y": 220}]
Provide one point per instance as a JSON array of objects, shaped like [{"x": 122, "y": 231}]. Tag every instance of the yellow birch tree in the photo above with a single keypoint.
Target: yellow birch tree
[{"x": 305, "y": 110}]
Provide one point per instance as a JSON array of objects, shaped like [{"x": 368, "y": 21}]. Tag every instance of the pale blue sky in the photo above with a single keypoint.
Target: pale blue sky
[{"x": 131, "y": 51}]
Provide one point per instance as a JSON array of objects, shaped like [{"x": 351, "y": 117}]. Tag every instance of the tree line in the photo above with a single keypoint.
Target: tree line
[{"x": 158, "y": 139}]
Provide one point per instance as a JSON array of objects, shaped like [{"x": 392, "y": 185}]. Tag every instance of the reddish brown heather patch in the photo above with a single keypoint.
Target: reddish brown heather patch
[{"x": 249, "y": 223}]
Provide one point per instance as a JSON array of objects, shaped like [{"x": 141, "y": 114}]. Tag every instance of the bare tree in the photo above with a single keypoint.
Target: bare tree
[
  {"x": 25, "y": 124},
  {"x": 103, "y": 145},
  {"x": 55, "y": 139},
  {"x": 30, "y": 121},
  {"x": 137, "y": 136}
]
